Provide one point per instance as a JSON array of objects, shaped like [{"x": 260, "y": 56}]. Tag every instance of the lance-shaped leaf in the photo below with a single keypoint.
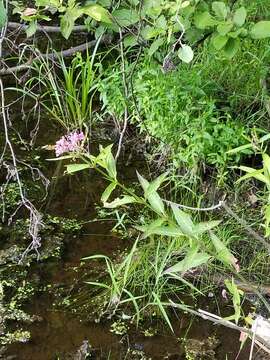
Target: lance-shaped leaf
[
  {"x": 192, "y": 260},
  {"x": 157, "y": 228},
  {"x": 184, "y": 221},
  {"x": 72, "y": 168},
  {"x": 126, "y": 199},
  {"x": 205, "y": 226},
  {"x": 151, "y": 194},
  {"x": 107, "y": 192},
  {"x": 223, "y": 253}
]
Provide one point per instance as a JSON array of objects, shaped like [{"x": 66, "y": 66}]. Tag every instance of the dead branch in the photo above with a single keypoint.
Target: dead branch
[
  {"x": 45, "y": 28},
  {"x": 53, "y": 56}
]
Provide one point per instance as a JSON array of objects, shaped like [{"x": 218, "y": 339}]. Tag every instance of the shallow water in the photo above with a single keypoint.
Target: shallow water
[{"x": 59, "y": 334}]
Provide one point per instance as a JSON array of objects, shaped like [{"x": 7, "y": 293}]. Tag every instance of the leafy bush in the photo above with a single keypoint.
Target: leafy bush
[{"x": 178, "y": 108}]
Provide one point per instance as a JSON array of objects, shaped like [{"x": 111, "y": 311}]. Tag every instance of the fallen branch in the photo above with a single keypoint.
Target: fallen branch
[
  {"x": 53, "y": 56},
  {"x": 45, "y": 28}
]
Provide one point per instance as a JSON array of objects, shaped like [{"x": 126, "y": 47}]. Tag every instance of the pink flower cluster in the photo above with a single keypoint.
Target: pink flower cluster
[{"x": 69, "y": 143}]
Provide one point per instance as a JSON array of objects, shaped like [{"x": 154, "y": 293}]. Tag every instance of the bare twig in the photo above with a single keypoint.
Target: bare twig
[
  {"x": 52, "y": 56},
  {"x": 48, "y": 29}
]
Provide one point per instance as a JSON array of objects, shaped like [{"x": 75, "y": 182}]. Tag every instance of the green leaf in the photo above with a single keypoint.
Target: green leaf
[
  {"x": 231, "y": 48},
  {"x": 185, "y": 53},
  {"x": 107, "y": 192},
  {"x": 204, "y": 20},
  {"x": 205, "y": 226},
  {"x": 157, "y": 228},
  {"x": 236, "y": 294},
  {"x": 126, "y": 199},
  {"x": 184, "y": 221},
  {"x": 97, "y": 12},
  {"x": 72, "y": 168},
  {"x": 224, "y": 28},
  {"x": 192, "y": 259},
  {"x": 155, "y": 46},
  {"x": 261, "y": 30},
  {"x": 67, "y": 21},
  {"x": 126, "y": 17},
  {"x": 239, "y": 16},
  {"x": 220, "y": 9},
  {"x": 252, "y": 173},
  {"x": 130, "y": 40},
  {"x": 223, "y": 253},
  {"x": 3, "y": 14},
  {"x": 151, "y": 194},
  {"x": 219, "y": 41},
  {"x": 31, "y": 28}
]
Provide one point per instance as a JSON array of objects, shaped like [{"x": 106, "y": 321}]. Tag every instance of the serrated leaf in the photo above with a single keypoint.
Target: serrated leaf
[
  {"x": 261, "y": 30},
  {"x": 239, "y": 16},
  {"x": 97, "y": 12},
  {"x": 220, "y": 9},
  {"x": 72, "y": 168},
  {"x": 185, "y": 53}
]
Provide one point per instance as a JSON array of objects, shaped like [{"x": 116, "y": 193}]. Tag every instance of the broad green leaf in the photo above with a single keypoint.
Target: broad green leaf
[
  {"x": 220, "y": 9},
  {"x": 31, "y": 28},
  {"x": 126, "y": 17},
  {"x": 205, "y": 226},
  {"x": 130, "y": 40},
  {"x": 126, "y": 199},
  {"x": 156, "y": 203},
  {"x": 204, "y": 20},
  {"x": 224, "y": 28},
  {"x": 107, "y": 192},
  {"x": 67, "y": 21},
  {"x": 3, "y": 14},
  {"x": 192, "y": 259},
  {"x": 261, "y": 30},
  {"x": 239, "y": 17},
  {"x": 184, "y": 221},
  {"x": 223, "y": 253},
  {"x": 72, "y": 168},
  {"x": 97, "y": 12},
  {"x": 155, "y": 46},
  {"x": 150, "y": 32},
  {"x": 185, "y": 53},
  {"x": 219, "y": 41},
  {"x": 231, "y": 48}
]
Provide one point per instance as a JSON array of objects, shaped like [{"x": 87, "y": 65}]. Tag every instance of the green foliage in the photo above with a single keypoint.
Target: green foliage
[{"x": 178, "y": 109}]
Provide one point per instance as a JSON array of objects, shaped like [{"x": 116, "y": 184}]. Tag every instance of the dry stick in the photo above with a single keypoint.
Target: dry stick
[
  {"x": 52, "y": 56},
  {"x": 48, "y": 29},
  {"x": 246, "y": 227},
  {"x": 220, "y": 321},
  {"x": 126, "y": 96}
]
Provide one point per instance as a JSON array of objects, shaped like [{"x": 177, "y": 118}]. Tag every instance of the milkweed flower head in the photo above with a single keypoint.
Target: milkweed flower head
[{"x": 69, "y": 143}]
